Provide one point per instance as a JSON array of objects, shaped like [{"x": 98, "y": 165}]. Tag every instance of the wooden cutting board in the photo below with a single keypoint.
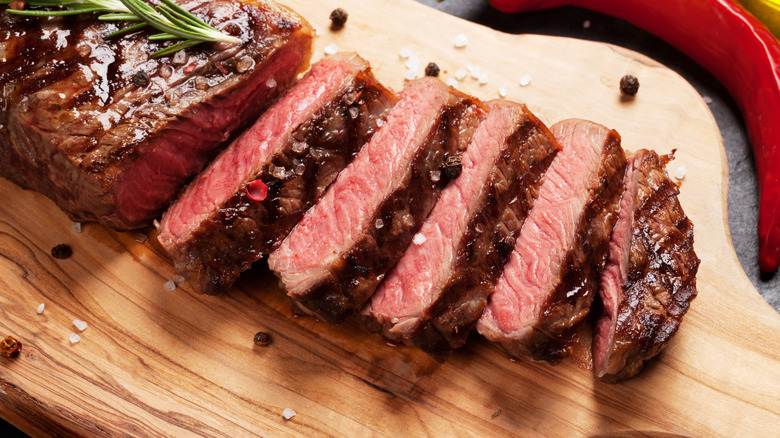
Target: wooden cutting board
[{"x": 161, "y": 363}]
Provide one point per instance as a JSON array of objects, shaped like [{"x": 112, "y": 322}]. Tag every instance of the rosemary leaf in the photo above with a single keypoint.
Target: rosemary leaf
[{"x": 126, "y": 30}]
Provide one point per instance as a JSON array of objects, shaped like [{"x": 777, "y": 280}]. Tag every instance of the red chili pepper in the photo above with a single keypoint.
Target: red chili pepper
[
  {"x": 742, "y": 54},
  {"x": 257, "y": 190}
]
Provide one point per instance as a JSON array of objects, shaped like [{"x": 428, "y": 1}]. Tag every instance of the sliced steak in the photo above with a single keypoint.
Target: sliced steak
[
  {"x": 552, "y": 276},
  {"x": 650, "y": 278},
  {"x": 336, "y": 256},
  {"x": 111, "y": 134},
  {"x": 220, "y": 226},
  {"x": 436, "y": 293}
]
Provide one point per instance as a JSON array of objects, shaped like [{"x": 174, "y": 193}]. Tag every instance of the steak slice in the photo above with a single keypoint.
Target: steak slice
[
  {"x": 650, "y": 278},
  {"x": 216, "y": 230},
  {"x": 436, "y": 293},
  {"x": 552, "y": 276},
  {"x": 109, "y": 133},
  {"x": 336, "y": 256}
]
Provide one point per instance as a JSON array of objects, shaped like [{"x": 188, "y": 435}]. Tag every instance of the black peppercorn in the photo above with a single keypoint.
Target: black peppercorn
[
  {"x": 452, "y": 166},
  {"x": 337, "y": 18},
  {"x": 432, "y": 69},
  {"x": 629, "y": 85},
  {"x": 262, "y": 339},
  {"x": 10, "y": 347},
  {"x": 140, "y": 78},
  {"x": 61, "y": 251}
]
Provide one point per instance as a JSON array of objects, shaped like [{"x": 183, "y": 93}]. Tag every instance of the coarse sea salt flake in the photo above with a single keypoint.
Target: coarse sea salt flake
[
  {"x": 451, "y": 82},
  {"x": 288, "y": 413},
  {"x": 76, "y": 227},
  {"x": 169, "y": 285},
  {"x": 707, "y": 99},
  {"x": 680, "y": 172},
  {"x": 475, "y": 72},
  {"x": 40, "y": 308},
  {"x": 406, "y": 52},
  {"x": 331, "y": 49},
  {"x": 525, "y": 80},
  {"x": 270, "y": 83},
  {"x": 410, "y": 74},
  {"x": 316, "y": 29},
  {"x": 80, "y": 325},
  {"x": 460, "y": 73},
  {"x": 460, "y": 41},
  {"x": 502, "y": 91},
  {"x": 586, "y": 24},
  {"x": 413, "y": 62},
  {"x": 419, "y": 239},
  {"x": 74, "y": 338},
  {"x": 483, "y": 79},
  {"x": 178, "y": 279}
]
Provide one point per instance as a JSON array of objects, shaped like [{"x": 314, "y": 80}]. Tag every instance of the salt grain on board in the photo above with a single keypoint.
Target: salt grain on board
[
  {"x": 74, "y": 338},
  {"x": 460, "y": 41},
  {"x": 331, "y": 49},
  {"x": 76, "y": 227},
  {"x": 178, "y": 279},
  {"x": 316, "y": 29},
  {"x": 680, "y": 172},
  {"x": 288, "y": 413},
  {"x": 406, "y": 52},
  {"x": 451, "y": 82},
  {"x": 80, "y": 325},
  {"x": 525, "y": 80},
  {"x": 483, "y": 79},
  {"x": 460, "y": 73},
  {"x": 169, "y": 285},
  {"x": 40, "y": 308},
  {"x": 502, "y": 91}
]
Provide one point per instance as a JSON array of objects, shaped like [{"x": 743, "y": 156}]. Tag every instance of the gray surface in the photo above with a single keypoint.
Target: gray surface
[{"x": 743, "y": 192}]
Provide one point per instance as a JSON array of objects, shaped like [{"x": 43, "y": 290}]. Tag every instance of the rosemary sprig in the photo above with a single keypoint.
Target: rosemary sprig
[{"x": 173, "y": 21}]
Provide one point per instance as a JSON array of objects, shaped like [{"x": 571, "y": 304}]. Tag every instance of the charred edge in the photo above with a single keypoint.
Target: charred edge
[
  {"x": 569, "y": 304},
  {"x": 378, "y": 250},
  {"x": 481, "y": 256},
  {"x": 242, "y": 230}
]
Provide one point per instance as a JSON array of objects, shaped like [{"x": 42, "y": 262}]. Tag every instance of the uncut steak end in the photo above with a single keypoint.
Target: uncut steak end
[
  {"x": 650, "y": 278},
  {"x": 333, "y": 260},
  {"x": 111, "y": 134},
  {"x": 549, "y": 283},
  {"x": 253, "y": 194},
  {"x": 436, "y": 293}
]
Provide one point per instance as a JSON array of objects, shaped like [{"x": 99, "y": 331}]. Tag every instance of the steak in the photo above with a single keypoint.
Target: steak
[
  {"x": 650, "y": 278},
  {"x": 217, "y": 228},
  {"x": 552, "y": 276},
  {"x": 336, "y": 256},
  {"x": 110, "y": 134},
  {"x": 436, "y": 293}
]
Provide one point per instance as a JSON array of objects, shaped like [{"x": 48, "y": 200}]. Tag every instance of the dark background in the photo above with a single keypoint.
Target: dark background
[{"x": 743, "y": 193}]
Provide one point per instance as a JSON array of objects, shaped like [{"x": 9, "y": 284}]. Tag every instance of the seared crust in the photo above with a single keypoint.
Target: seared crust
[
  {"x": 74, "y": 122},
  {"x": 662, "y": 268}
]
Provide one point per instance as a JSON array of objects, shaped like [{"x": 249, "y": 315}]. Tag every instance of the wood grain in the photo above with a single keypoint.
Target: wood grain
[{"x": 158, "y": 363}]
